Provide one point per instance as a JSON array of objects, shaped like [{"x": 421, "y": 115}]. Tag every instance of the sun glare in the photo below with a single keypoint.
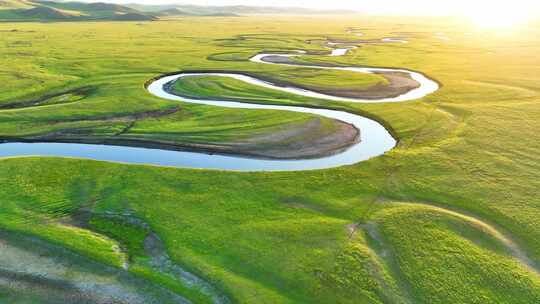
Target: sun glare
[{"x": 499, "y": 15}]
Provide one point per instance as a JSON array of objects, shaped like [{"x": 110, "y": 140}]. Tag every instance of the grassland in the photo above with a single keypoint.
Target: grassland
[{"x": 449, "y": 216}]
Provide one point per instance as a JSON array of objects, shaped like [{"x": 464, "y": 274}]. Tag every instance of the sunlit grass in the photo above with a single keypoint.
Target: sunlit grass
[{"x": 473, "y": 147}]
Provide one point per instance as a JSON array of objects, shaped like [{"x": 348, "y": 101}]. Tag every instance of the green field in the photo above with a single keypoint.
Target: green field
[{"x": 449, "y": 216}]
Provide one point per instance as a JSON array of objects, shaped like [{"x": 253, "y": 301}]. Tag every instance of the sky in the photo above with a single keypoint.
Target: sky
[{"x": 390, "y": 7}]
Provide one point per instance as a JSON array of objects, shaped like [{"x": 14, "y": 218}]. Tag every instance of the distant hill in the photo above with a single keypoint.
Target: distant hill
[
  {"x": 200, "y": 10},
  {"x": 45, "y": 10},
  {"x": 134, "y": 17},
  {"x": 170, "y": 12},
  {"x": 14, "y": 4},
  {"x": 178, "y": 12},
  {"x": 48, "y": 13},
  {"x": 48, "y": 10}
]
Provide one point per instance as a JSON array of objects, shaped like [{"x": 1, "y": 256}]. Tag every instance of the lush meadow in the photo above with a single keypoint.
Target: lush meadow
[{"x": 450, "y": 216}]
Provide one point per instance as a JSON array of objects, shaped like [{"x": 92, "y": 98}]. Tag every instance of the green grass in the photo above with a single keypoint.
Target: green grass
[
  {"x": 217, "y": 86},
  {"x": 314, "y": 79},
  {"x": 131, "y": 237},
  {"x": 472, "y": 147},
  {"x": 132, "y": 240}
]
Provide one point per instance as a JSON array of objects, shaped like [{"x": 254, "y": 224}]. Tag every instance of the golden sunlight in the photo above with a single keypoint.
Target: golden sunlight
[{"x": 499, "y": 15}]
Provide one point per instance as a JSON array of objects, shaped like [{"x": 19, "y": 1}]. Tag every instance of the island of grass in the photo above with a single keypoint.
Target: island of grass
[
  {"x": 378, "y": 85},
  {"x": 174, "y": 126}
]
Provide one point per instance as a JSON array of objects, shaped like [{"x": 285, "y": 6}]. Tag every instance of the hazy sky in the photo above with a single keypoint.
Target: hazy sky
[{"x": 374, "y": 6}]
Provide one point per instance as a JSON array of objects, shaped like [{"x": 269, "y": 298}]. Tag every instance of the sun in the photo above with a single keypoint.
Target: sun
[{"x": 498, "y": 14}]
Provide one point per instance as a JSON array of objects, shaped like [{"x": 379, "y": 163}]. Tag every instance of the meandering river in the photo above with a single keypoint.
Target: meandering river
[{"x": 375, "y": 140}]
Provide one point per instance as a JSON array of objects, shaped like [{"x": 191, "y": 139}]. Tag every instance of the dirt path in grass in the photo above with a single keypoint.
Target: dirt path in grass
[
  {"x": 386, "y": 253},
  {"x": 516, "y": 251},
  {"x": 509, "y": 243}
]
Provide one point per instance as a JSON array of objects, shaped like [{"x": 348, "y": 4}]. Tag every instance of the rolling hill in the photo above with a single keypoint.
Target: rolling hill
[
  {"x": 202, "y": 10},
  {"x": 47, "y": 10},
  {"x": 26, "y": 10},
  {"x": 169, "y": 12},
  {"x": 14, "y": 4},
  {"x": 44, "y": 12}
]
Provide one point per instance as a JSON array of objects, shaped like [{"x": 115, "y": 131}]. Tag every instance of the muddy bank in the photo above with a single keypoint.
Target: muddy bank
[
  {"x": 307, "y": 141},
  {"x": 33, "y": 270},
  {"x": 398, "y": 83}
]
